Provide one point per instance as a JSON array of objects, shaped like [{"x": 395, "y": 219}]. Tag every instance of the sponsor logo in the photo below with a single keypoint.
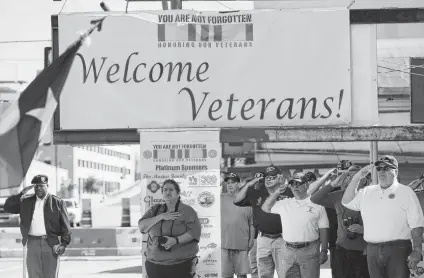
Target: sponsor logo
[
  {"x": 205, "y": 235},
  {"x": 205, "y": 222},
  {"x": 209, "y": 260},
  {"x": 206, "y": 199},
  {"x": 212, "y": 153},
  {"x": 152, "y": 201},
  {"x": 147, "y": 154},
  {"x": 153, "y": 187},
  {"x": 192, "y": 181},
  {"x": 214, "y": 274},
  {"x": 208, "y": 180},
  {"x": 211, "y": 245},
  {"x": 189, "y": 202}
]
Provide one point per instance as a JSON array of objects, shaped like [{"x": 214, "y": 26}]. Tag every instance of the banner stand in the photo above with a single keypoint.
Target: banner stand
[{"x": 191, "y": 157}]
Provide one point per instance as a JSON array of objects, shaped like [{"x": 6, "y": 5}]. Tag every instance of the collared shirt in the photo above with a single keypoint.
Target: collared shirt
[
  {"x": 38, "y": 227},
  {"x": 388, "y": 214},
  {"x": 301, "y": 219}
]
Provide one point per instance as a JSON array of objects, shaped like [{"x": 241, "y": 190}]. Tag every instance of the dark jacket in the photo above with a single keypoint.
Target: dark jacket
[{"x": 56, "y": 218}]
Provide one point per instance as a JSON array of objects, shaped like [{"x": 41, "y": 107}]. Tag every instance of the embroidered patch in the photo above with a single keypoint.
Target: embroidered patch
[{"x": 391, "y": 196}]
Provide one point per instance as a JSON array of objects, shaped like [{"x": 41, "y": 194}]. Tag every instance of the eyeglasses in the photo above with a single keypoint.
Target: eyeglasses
[
  {"x": 385, "y": 168},
  {"x": 270, "y": 178},
  {"x": 296, "y": 183}
]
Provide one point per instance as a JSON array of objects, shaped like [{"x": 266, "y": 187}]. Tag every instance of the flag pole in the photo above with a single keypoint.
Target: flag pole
[{"x": 97, "y": 24}]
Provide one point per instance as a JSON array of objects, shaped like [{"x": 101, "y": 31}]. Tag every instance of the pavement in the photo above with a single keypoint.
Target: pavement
[{"x": 96, "y": 267}]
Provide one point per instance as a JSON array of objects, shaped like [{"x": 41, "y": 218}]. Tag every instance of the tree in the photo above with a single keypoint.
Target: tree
[{"x": 90, "y": 185}]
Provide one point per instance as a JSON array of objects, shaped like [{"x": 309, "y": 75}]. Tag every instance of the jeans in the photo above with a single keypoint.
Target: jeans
[
  {"x": 389, "y": 260},
  {"x": 253, "y": 260},
  {"x": 305, "y": 259},
  {"x": 269, "y": 255},
  {"x": 351, "y": 263}
]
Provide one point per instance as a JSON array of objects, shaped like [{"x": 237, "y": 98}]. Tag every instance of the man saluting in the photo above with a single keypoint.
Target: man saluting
[{"x": 44, "y": 219}]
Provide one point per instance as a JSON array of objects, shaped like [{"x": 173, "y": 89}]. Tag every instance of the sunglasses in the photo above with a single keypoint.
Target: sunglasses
[
  {"x": 270, "y": 178},
  {"x": 384, "y": 168}
]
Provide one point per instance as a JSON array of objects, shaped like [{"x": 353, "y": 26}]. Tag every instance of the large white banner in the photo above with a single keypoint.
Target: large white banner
[
  {"x": 188, "y": 69},
  {"x": 192, "y": 158}
]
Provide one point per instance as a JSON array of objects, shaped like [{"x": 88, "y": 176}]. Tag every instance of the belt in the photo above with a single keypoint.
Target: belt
[
  {"x": 271, "y": 236},
  {"x": 37, "y": 237},
  {"x": 392, "y": 242},
  {"x": 298, "y": 245}
]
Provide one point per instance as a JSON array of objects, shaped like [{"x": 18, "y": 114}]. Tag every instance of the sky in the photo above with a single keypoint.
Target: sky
[
  {"x": 30, "y": 20},
  {"x": 27, "y": 20}
]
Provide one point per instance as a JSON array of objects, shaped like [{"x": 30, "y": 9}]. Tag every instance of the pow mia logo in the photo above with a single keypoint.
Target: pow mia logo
[
  {"x": 153, "y": 187},
  {"x": 206, "y": 199},
  {"x": 147, "y": 154},
  {"x": 212, "y": 153}
]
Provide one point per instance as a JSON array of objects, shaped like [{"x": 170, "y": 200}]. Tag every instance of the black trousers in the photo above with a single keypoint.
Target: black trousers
[
  {"x": 389, "y": 260},
  {"x": 333, "y": 263},
  {"x": 351, "y": 263},
  {"x": 185, "y": 269},
  {"x": 42, "y": 262}
]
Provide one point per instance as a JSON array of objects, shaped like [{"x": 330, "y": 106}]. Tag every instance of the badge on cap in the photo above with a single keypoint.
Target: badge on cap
[{"x": 270, "y": 169}]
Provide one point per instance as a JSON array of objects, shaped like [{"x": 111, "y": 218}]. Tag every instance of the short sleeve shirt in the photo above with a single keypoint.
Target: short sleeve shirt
[
  {"x": 265, "y": 222},
  {"x": 388, "y": 214},
  {"x": 236, "y": 224},
  {"x": 188, "y": 222},
  {"x": 301, "y": 219}
]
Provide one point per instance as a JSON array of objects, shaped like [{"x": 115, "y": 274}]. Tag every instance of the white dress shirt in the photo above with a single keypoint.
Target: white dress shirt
[
  {"x": 38, "y": 227},
  {"x": 388, "y": 214},
  {"x": 301, "y": 219}
]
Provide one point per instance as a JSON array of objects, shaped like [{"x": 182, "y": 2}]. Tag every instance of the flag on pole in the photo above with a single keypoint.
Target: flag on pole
[{"x": 24, "y": 123}]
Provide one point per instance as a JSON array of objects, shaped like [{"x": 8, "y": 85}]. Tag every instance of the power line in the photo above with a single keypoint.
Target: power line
[
  {"x": 224, "y": 5},
  {"x": 24, "y": 41},
  {"x": 63, "y": 6}
]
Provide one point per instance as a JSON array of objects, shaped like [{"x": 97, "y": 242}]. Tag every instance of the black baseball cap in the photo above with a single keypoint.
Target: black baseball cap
[
  {"x": 271, "y": 171},
  {"x": 40, "y": 179},
  {"x": 232, "y": 176},
  {"x": 387, "y": 160},
  {"x": 309, "y": 176},
  {"x": 299, "y": 177}
]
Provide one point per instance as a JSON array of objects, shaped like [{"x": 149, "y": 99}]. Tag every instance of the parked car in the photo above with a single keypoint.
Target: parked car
[
  {"x": 74, "y": 211},
  {"x": 7, "y": 219}
]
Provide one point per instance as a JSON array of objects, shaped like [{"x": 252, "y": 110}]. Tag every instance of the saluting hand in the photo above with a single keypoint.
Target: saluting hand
[
  {"x": 366, "y": 170},
  {"x": 26, "y": 189},
  {"x": 170, "y": 215}
]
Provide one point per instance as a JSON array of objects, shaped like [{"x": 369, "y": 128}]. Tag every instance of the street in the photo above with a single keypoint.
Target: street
[{"x": 95, "y": 267}]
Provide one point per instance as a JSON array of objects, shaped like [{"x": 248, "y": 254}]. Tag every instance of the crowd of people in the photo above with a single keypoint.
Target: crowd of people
[
  {"x": 370, "y": 230},
  {"x": 269, "y": 224}
]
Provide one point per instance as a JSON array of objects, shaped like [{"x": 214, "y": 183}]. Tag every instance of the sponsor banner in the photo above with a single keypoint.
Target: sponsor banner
[
  {"x": 192, "y": 159},
  {"x": 244, "y": 69}
]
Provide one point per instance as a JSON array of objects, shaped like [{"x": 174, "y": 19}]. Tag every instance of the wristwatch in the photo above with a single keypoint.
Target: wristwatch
[{"x": 178, "y": 241}]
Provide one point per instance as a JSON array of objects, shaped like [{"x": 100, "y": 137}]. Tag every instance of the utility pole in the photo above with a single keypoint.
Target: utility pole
[{"x": 175, "y": 5}]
